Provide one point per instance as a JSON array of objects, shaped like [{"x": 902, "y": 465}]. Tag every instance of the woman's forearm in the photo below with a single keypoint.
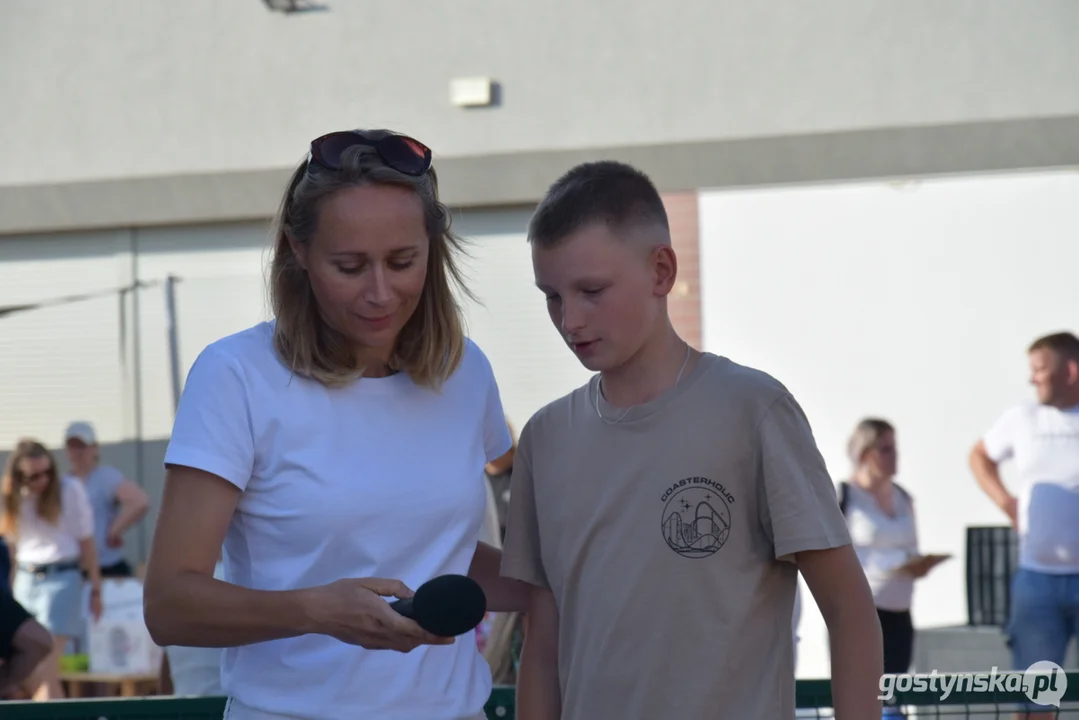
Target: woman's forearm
[
  {"x": 88, "y": 559},
  {"x": 197, "y": 610},
  {"x": 503, "y": 594}
]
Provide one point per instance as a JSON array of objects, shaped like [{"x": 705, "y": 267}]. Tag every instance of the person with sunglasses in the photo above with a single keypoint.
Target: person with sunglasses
[
  {"x": 337, "y": 451},
  {"x": 50, "y": 523}
]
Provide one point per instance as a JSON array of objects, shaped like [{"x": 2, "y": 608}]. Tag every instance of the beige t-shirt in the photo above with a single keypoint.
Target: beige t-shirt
[{"x": 662, "y": 538}]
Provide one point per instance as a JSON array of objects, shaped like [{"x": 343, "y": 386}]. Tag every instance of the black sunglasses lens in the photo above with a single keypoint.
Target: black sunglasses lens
[
  {"x": 333, "y": 146},
  {"x": 405, "y": 154},
  {"x": 398, "y": 151}
]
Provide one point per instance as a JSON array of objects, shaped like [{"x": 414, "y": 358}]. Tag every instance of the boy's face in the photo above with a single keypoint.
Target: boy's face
[{"x": 604, "y": 293}]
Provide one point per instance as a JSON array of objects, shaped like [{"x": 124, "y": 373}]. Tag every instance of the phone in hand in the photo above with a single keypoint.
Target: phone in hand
[{"x": 920, "y": 565}]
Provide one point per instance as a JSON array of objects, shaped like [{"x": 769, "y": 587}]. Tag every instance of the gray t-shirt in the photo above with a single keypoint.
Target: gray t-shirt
[
  {"x": 101, "y": 486},
  {"x": 665, "y": 539}
]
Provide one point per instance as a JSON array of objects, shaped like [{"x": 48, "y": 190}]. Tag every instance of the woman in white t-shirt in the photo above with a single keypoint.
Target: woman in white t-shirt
[
  {"x": 883, "y": 529},
  {"x": 338, "y": 453},
  {"x": 50, "y": 524}
]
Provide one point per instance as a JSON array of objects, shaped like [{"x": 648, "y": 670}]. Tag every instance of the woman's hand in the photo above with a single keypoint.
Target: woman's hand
[
  {"x": 921, "y": 565},
  {"x": 354, "y": 612}
]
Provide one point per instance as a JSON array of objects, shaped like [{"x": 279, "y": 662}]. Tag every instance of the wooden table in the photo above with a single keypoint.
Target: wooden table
[{"x": 124, "y": 685}]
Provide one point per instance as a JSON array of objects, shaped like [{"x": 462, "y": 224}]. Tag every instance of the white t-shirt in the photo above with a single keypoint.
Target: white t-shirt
[
  {"x": 380, "y": 479},
  {"x": 1043, "y": 441},
  {"x": 492, "y": 530},
  {"x": 41, "y": 542},
  {"x": 883, "y": 543}
]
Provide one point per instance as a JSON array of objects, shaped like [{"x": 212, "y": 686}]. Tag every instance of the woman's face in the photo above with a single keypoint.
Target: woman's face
[
  {"x": 35, "y": 474},
  {"x": 367, "y": 264},
  {"x": 883, "y": 458}
]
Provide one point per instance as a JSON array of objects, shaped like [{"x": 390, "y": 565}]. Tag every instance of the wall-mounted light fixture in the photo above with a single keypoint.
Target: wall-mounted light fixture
[{"x": 473, "y": 92}]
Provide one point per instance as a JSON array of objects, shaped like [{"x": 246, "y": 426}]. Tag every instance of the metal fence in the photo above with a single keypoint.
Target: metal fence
[
  {"x": 992, "y": 557},
  {"x": 814, "y": 700}
]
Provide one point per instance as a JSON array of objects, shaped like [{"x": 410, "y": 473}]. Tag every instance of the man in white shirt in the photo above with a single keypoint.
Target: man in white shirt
[{"x": 1042, "y": 439}]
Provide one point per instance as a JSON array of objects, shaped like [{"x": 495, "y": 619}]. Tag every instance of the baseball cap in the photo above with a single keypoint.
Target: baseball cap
[{"x": 81, "y": 430}]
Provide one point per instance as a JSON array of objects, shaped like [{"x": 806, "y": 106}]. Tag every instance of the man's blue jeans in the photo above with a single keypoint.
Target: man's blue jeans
[{"x": 1044, "y": 618}]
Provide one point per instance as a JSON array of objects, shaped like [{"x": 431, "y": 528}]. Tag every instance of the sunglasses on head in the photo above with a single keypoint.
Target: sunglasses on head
[{"x": 400, "y": 152}]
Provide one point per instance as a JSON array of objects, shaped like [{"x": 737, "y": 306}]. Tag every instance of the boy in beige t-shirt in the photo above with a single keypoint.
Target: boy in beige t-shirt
[{"x": 663, "y": 510}]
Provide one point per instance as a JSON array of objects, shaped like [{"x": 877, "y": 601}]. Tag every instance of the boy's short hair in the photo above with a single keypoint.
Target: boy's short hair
[{"x": 610, "y": 192}]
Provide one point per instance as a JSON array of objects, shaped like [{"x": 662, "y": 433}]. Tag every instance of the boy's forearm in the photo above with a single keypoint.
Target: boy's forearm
[
  {"x": 838, "y": 584},
  {"x": 857, "y": 662},
  {"x": 538, "y": 692}
]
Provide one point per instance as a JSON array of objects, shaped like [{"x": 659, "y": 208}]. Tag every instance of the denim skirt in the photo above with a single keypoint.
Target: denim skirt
[{"x": 54, "y": 598}]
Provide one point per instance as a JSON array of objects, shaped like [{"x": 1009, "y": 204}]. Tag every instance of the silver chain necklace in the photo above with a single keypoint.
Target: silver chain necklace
[{"x": 620, "y": 418}]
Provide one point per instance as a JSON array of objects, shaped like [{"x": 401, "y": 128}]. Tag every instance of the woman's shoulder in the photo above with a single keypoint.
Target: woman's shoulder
[
  {"x": 903, "y": 492},
  {"x": 472, "y": 377},
  {"x": 239, "y": 355},
  {"x": 474, "y": 362},
  {"x": 73, "y": 488},
  {"x": 246, "y": 345}
]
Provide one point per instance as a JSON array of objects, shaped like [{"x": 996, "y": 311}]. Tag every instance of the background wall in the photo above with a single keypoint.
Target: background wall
[
  {"x": 912, "y": 301},
  {"x": 207, "y": 86}
]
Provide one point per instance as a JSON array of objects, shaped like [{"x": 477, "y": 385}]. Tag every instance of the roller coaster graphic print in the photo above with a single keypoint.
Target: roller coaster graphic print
[{"x": 696, "y": 518}]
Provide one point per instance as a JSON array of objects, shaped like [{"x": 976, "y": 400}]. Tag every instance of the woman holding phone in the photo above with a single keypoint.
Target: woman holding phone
[
  {"x": 881, "y": 518},
  {"x": 337, "y": 452}
]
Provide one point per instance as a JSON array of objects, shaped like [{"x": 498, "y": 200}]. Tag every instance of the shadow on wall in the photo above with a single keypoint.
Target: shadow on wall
[{"x": 144, "y": 465}]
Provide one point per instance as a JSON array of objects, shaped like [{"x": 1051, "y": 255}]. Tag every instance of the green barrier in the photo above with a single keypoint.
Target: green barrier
[
  {"x": 968, "y": 697},
  {"x": 501, "y": 706},
  {"x": 152, "y": 708}
]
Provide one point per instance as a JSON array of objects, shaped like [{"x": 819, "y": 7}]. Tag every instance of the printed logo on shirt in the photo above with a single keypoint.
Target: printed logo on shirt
[{"x": 696, "y": 519}]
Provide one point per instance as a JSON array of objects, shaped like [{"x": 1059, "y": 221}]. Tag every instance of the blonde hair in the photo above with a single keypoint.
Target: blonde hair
[
  {"x": 431, "y": 343},
  {"x": 866, "y": 434},
  {"x": 48, "y": 502}
]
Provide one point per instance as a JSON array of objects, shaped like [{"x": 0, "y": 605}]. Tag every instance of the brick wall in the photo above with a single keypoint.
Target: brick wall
[{"x": 685, "y": 301}]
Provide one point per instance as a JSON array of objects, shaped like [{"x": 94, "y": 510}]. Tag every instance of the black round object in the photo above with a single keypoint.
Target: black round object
[{"x": 449, "y": 605}]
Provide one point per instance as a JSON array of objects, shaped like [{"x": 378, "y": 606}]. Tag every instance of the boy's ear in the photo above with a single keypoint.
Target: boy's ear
[{"x": 664, "y": 269}]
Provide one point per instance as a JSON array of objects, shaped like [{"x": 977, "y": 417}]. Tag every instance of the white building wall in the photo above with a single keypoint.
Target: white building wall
[
  {"x": 220, "y": 291},
  {"x": 510, "y": 321},
  {"x": 911, "y": 301},
  {"x": 66, "y": 360},
  {"x": 210, "y": 86}
]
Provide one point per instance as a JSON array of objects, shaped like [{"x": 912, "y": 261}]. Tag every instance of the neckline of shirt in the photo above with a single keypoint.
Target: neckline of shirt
[{"x": 644, "y": 411}]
